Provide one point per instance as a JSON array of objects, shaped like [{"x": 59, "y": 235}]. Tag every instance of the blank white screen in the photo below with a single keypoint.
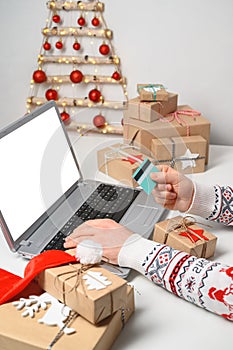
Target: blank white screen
[{"x": 37, "y": 168}]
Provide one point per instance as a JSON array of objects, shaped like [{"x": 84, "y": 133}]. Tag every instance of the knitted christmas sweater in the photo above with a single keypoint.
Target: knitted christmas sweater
[{"x": 207, "y": 284}]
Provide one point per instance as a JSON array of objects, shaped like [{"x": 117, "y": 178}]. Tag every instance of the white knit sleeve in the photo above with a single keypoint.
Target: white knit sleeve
[
  {"x": 205, "y": 283},
  {"x": 203, "y": 200}
]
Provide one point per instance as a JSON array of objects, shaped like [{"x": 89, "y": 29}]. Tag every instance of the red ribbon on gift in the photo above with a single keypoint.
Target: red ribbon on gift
[
  {"x": 194, "y": 235},
  {"x": 177, "y": 116},
  {"x": 132, "y": 160}
]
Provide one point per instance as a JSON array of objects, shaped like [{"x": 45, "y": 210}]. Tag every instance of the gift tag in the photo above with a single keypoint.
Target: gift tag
[{"x": 142, "y": 175}]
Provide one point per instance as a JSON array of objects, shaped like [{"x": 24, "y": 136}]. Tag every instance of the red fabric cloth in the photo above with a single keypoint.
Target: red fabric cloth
[{"x": 11, "y": 285}]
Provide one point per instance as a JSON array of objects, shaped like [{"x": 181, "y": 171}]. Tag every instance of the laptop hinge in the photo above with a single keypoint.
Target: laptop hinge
[{"x": 25, "y": 243}]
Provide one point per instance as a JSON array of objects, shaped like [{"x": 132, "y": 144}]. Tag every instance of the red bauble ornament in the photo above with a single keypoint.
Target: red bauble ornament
[
  {"x": 95, "y": 22},
  {"x": 47, "y": 46},
  {"x": 76, "y": 46},
  {"x": 99, "y": 121},
  {"x": 76, "y": 76},
  {"x": 65, "y": 117},
  {"x": 104, "y": 49},
  {"x": 59, "y": 45},
  {"x": 51, "y": 94},
  {"x": 81, "y": 21},
  {"x": 116, "y": 75},
  {"x": 95, "y": 95},
  {"x": 39, "y": 76},
  {"x": 56, "y": 18}
]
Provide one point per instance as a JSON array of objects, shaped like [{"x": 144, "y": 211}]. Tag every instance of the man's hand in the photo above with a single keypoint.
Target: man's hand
[
  {"x": 107, "y": 232},
  {"x": 173, "y": 191}
]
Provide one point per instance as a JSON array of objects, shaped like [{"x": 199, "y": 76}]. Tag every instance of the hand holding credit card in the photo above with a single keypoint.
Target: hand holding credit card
[{"x": 142, "y": 175}]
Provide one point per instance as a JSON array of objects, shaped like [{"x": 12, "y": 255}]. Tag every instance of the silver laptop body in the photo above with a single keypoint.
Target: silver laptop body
[{"x": 41, "y": 185}]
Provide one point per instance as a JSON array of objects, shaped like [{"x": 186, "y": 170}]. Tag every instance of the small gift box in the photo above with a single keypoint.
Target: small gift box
[
  {"x": 185, "y": 235},
  {"x": 184, "y": 122},
  {"x": 150, "y": 111},
  {"x": 26, "y": 333},
  {"x": 94, "y": 292},
  {"x": 152, "y": 92},
  {"x": 120, "y": 161},
  {"x": 186, "y": 154}
]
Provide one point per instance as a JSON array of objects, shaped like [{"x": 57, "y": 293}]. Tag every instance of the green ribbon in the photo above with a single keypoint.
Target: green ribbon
[{"x": 153, "y": 87}]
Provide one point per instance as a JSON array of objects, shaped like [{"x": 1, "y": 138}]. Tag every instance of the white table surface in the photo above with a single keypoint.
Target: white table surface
[{"x": 161, "y": 320}]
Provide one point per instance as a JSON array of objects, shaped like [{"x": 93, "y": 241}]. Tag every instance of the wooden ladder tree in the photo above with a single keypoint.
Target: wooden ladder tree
[{"x": 78, "y": 67}]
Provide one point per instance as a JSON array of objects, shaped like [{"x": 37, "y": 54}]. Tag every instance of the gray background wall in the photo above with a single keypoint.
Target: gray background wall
[{"x": 185, "y": 44}]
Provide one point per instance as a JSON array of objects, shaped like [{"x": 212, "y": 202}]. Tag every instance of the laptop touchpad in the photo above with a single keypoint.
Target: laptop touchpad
[{"x": 143, "y": 214}]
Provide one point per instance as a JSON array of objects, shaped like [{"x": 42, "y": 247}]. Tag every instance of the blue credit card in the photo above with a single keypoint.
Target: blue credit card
[{"x": 142, "y": 175}]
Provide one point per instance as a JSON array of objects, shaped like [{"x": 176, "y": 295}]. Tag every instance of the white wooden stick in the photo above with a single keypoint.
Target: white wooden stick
[
  {"x": 98, "y": 79},
  {"x": 79, "y": 102},
  {"x": 77, "y": 32},
  {"x": 79, "y": 59},
  {"x": 76, "y": 5}
]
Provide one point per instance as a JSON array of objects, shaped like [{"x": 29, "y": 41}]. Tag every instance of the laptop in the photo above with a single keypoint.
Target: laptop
[{"x": 42, "y": 191}]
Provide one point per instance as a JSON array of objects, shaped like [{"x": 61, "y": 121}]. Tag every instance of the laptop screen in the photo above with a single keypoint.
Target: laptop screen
[{"x": 37, "y": 168}]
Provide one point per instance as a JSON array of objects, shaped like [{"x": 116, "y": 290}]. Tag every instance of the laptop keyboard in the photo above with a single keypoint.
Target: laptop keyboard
[{"x": 107, "y": 201}]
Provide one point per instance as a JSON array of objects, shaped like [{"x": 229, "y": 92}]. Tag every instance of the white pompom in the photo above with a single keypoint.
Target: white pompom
[{"x": 89, "y": 252}]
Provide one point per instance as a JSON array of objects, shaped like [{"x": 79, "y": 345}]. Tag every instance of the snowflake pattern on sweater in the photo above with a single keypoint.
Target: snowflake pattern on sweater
[
  {"x": 197, "y": 280},
  {"x": 223, "y": 207}
]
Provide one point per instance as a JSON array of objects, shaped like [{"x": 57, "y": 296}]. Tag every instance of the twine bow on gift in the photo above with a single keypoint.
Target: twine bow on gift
[
  {"x": 177, "y": 116},
  {"x": 75, "y": 273},
  {"x": 191, "y": 234},
  {"x": 194, "y": 235}
]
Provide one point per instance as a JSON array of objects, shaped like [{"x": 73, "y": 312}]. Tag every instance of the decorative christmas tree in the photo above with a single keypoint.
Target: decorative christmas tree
[{"x": 78, "y": 68}]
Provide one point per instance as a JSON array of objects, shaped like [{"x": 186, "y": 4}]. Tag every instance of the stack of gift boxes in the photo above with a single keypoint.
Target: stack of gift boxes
[
  {"x": 173, "y": 134},
  {"x": 155, "y": 126},
  {"x": 100, "y": 300}
]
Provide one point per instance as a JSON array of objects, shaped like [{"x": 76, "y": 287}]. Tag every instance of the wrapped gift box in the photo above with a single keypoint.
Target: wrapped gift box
[
  {"x": 141, "y": 133},
  {"x": 25, "y": 333},
  {"x": 185, "y": 235},
  {"x": 67, "y": 284},
  {"x": 120, "y": 162},
  {"x": 150, "y": 111},
  {"x": 152, "y": 92},
  {"x": 186, "y": 154}
]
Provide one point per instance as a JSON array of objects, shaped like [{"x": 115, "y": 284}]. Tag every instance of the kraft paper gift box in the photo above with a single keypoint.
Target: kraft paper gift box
[
  {"x": 150, "y": 111},
  {"x": 141, "y": 133},
  {"x": 185, "y": 235},
  {"x": 152, "y": 92},
  {"x": 67, "y": 284},
  {"x": 186, "y": 154},
  {"x": 120, "y": 162},
  {"x": 25, "y": 333}
]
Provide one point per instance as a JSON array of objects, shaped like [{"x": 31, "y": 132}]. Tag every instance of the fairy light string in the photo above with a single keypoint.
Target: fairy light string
[{"x": 53, "y": 57}]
